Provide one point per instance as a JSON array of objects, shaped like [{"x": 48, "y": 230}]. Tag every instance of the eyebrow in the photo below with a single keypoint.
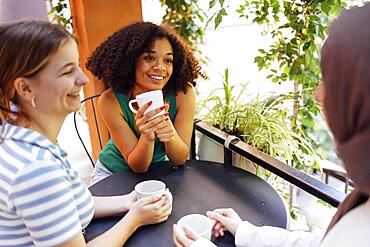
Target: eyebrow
[{"x": 153, "y": 51}]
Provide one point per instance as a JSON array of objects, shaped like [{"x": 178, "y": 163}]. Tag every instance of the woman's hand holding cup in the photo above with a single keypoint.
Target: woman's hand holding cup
[
  {"x": 154, "y": 202},
  {"x": 146, "y": 124},
  {"x": 226, "y": 220},
  {"x": 151, "y": 210}
]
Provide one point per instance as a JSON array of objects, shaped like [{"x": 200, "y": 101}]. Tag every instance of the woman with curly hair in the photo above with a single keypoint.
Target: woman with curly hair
[{"x": 139, "y": 58}]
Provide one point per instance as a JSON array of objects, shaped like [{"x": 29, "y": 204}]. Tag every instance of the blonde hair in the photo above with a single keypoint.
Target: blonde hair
[{"x": 25, "y": 49}]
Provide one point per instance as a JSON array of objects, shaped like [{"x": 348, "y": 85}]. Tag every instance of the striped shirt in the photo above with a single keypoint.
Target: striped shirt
[{"x": 43, "y": 201}]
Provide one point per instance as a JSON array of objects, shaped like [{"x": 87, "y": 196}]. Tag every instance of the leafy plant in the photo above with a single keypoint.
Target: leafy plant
[
  {"x": 186, "y": 17},
  {"x": 261, "y": 123},
  {"x": 61, "y": 13},
  {"x": 297, "y": 28}
]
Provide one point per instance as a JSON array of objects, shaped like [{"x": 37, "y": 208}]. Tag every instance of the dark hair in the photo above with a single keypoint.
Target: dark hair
[
  {"x": 25, "y": 49},
  {"x": 345, "y": 65},
  {"x": 114, "y": 60}
]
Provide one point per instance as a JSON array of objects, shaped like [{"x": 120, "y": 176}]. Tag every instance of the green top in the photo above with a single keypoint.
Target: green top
[{"x": 111, "y": 157}]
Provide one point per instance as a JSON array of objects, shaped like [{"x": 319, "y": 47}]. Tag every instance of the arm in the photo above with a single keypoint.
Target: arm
[
  {"x": 177, "y": 136},
  {"x": 148, "y": 210},
  {"x": 113, "y": 205},
  {"x": 137, "y": 152},
  {"x": 247, "y": 234}
]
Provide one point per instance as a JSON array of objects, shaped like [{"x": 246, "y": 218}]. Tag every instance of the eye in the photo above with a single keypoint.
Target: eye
[
  {"x": 148, "y": 58},
  {"x": 68, "y": 71},
  {"x": 168, "y": 60}
]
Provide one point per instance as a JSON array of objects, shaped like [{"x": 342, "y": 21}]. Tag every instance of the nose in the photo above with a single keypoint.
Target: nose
[
  {"x": 159, "y": 65},
  {"x": 82, "y": 79}
]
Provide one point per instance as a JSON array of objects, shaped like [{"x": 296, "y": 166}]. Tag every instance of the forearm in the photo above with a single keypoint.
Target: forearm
[
  {"x": 110, "y": 205},
  {"x": 250, "y": 235},
  {"x": 177, "y": 150},
  {"x": 118, "y": 234},
  {"x": 141, "y": 156}
]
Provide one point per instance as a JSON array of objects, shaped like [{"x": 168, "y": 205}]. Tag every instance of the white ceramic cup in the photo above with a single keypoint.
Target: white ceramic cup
[
  {"x": 199, "y": 223},
  {"x": 155, "y": 96},
  {"x": 150, "y": 188}
]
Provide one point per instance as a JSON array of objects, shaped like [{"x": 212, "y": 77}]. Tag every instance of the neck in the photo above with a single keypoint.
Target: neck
[
  {"x": 136, "y": 90},
  {"x": 47, "y": 126}
]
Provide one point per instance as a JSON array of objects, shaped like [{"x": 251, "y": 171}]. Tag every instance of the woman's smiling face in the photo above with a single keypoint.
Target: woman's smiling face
[
  {"x": 154, "y": 67},
  {"x": 58, "y": 85}
]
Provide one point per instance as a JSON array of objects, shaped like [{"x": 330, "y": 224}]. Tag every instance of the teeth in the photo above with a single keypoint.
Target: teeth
[
  {"x": 74, "y": 94},
  {"x": 156, "y": 77}
]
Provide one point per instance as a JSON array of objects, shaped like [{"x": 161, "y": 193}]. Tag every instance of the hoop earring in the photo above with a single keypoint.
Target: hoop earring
[{"x": 33, "y": 102}]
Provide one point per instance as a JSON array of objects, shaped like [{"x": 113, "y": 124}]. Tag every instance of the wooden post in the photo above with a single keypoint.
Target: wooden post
[{"x": 93, "y": 21}]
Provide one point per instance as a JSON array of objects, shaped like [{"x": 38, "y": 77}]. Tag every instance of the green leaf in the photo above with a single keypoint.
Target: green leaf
[
  {"x": 325, "y": 7},
  {"x": 212, "y": 3},
  {"x": 218, "y": 19},
  {"x": 221, "y": 2},
  {"x": 223, "y": 11}
]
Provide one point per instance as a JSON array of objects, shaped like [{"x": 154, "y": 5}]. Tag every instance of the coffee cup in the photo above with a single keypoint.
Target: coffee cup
[
  {"x": 156, "y": 97},
  {"x": 199, "y": 223},
  {"x": 150, "y": 188}
]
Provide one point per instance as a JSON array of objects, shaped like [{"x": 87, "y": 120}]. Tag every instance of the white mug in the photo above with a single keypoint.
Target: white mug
[
  {"x": 155, "y": 96},
  {"x": 199, "y": 223},
  {"x": 150, "y": 188}
]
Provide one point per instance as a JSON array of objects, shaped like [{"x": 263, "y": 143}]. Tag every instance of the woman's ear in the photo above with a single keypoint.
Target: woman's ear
[{"x": 23, "y": 89}]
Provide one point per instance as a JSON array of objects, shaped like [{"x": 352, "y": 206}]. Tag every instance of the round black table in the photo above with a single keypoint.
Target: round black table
[{"x": 197, "y": 186}]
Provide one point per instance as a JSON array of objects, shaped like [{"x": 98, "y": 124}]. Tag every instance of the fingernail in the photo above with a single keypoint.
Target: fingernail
[
  {"x": 150, "y": 103},
  {"x": 162, "y": 107},
  {"x": 166, "y": 119},
  {"x": 168, "y": 102},
  {"x": 166, "y": 114}
]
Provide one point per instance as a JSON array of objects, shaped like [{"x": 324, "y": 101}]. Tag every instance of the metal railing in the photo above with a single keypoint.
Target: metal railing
[{"x": 288, "y": 173}]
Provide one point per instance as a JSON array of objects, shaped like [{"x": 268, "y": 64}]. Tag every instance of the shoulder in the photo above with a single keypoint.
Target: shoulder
[
  {"x": 108, "y": 100},
  {"x": 107, "y": 96},
  {"x": 186, "y": 98}
]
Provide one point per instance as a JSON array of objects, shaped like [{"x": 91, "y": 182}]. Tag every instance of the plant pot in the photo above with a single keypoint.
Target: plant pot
[{"x": 211, "y": 150}]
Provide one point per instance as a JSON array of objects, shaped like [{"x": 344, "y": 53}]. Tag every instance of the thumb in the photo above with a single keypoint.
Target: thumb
[{"x": 190, "y": 233}]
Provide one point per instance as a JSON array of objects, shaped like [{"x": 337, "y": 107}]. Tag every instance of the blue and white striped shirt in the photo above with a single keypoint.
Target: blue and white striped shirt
[{"x": 43, "y": 201}]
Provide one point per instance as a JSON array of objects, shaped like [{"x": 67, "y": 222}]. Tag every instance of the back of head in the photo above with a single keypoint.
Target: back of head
[
  {"x": 25, "y": 48},
  {"x": 345, "y": 65}
]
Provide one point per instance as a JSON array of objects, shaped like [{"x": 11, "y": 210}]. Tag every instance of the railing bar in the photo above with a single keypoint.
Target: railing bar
[{"x": 292, "y": 175}]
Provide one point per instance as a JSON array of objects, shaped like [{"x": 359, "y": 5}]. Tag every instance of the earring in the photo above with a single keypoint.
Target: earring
[{"x": 33, "y": 102}]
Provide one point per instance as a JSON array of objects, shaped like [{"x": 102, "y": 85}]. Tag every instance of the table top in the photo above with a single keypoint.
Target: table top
[{"x": 197, "y": 187}]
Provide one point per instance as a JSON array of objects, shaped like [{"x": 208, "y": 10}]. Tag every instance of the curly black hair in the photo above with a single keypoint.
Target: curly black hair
[{"x": 114, "y": 60}]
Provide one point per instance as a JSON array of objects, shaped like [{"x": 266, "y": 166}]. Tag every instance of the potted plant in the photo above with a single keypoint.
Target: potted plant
[
  {"x": 264, "y": 124},
  {"x": 261, "y": 123}
]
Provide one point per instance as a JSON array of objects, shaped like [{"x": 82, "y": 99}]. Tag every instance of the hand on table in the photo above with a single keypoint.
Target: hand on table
[
  {"x": 146, "y": 125},
  {"x": 226, "y": 220}
]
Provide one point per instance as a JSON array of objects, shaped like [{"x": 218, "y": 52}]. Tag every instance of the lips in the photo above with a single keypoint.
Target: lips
[
  {"x": 75, "y": 94},
  {"x": 156, "y": 77}
]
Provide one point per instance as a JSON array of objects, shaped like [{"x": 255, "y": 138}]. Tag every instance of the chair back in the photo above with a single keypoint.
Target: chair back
[{"x": 93, "y": 101}]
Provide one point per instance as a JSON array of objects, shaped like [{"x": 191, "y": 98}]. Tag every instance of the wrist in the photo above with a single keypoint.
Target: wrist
[
  {"x": 147, "y": 138},
  {"x": 133, "y": 221},
  {"x": 127, "y": 203}
]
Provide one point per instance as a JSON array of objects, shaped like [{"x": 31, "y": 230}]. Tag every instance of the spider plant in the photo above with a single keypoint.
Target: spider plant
[{"x": 261, "y": 123}]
